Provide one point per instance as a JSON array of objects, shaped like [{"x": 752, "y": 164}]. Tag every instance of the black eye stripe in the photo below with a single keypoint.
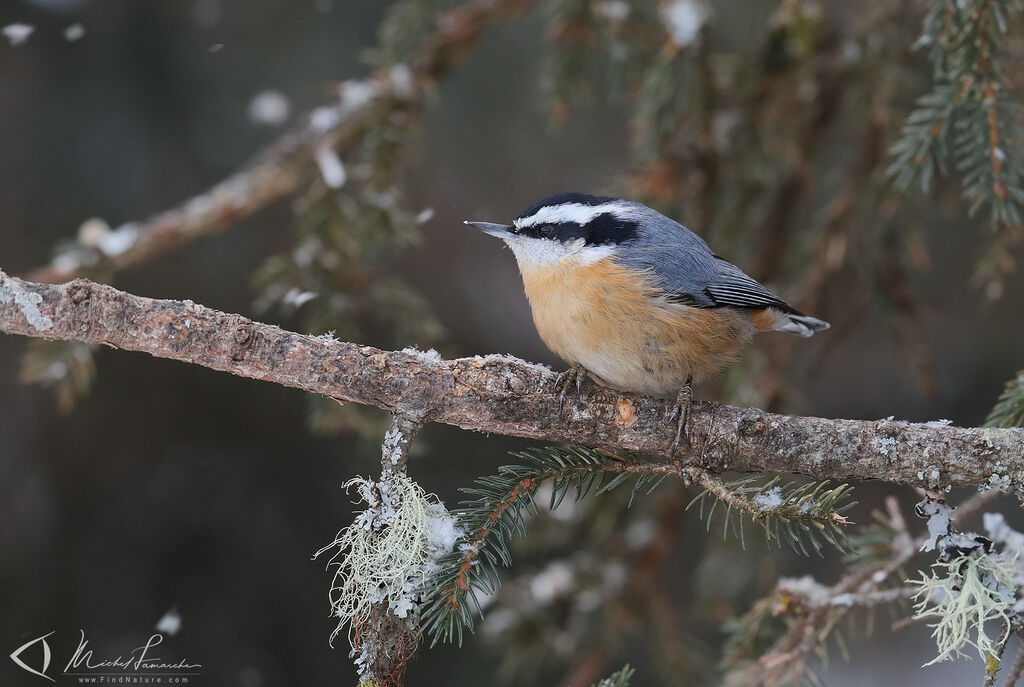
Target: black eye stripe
[
  {"x": 562, "y": 231},
  {"x": 603, "y": 230},
  {"x": 606, "y": 228}
]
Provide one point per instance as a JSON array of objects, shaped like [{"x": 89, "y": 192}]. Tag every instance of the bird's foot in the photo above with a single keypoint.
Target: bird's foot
[
  {"x": 681, "y": 413},
  {"x": 574, "y": 376}
]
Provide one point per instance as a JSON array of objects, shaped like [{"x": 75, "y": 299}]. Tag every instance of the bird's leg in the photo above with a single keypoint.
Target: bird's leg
[
  {"x": 682, "y": 411},
  {"x": 565, "y": 380}
]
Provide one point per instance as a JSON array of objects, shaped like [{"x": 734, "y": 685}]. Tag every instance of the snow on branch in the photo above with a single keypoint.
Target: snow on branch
[{"x": 504, "y": 395}]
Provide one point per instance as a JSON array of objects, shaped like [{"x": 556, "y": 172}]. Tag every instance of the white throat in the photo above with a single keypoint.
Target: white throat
[{"x": 536, "y": 253}]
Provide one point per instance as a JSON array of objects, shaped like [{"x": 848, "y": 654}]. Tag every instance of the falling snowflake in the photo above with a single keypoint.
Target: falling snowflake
[{"x": 18, "y": 33}]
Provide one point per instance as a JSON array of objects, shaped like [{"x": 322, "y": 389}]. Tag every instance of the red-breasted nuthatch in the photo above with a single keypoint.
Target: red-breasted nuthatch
[{"x": 636, "y": 299}]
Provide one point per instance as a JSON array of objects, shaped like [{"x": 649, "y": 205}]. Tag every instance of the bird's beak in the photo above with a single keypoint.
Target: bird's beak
[{"x": 499, "y": 230}]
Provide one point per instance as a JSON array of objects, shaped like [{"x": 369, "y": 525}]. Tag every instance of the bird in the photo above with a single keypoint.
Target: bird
[{"x": 635, "y": 300}]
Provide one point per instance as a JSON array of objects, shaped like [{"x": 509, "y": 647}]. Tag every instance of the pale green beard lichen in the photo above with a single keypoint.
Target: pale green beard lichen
[
  {"x": 386, "y": 556},
  {"x": 972, "y": 590}
]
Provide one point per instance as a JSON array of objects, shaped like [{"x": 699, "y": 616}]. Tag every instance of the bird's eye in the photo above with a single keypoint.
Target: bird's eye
[{"x": 545, "y": 231}]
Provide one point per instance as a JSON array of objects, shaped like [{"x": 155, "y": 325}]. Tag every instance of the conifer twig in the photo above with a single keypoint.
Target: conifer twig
[
  {"x": 815, "y": 618},
  {"x": 798, "y": 515}
]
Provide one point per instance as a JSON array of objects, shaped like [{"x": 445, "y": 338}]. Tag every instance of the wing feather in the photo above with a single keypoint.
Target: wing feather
[
  {"x": 723, "y": 285},
  {"x": 730, "y": 286},
  {"x": 680, "y": 263}
]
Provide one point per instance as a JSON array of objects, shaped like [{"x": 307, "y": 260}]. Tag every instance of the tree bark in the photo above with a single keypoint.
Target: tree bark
[{"x": 504, "y": 395}]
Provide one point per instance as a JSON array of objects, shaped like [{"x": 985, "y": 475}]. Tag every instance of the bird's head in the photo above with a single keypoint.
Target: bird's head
[{"x": 567, "y": 228}]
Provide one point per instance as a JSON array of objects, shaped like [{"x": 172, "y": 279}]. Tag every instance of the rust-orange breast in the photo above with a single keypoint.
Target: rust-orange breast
[{"x": 624, "y": 331}]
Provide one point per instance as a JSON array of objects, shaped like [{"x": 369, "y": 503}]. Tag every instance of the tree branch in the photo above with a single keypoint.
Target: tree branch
[
  {"x": 818, "y": 609},
  {"x": 505, "y": 395}
]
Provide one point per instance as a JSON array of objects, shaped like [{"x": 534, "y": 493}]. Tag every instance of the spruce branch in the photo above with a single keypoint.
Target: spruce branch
[
  {"x": 619, "y": 678},
  {"x": 923, "y": 146},
  {"x": 873, "y": 542},
  {"x": 276, "y": 172},
  {"x": 599, "y": 567},
  {"x": 346, "y": 221},
  {"x": 382, "y": 561},
  {"x": 1009, "y": 409},
  {"x": 665, "y": 94},
  {"x": 405, "y": 29},
  {"x": 971, "y": 120},
  {"x": 774, "y": 641},
  {"x": 976, "y": 581},
  {"x": 498, "y": 513},
  {"x": 794, "y": 514},
  {"x": 574, "y": 30}
]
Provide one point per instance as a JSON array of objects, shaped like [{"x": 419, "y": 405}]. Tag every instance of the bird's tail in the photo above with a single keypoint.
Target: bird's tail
[
  {"x": 802, "y": 325},
  {"x": 773, "y": 319}
]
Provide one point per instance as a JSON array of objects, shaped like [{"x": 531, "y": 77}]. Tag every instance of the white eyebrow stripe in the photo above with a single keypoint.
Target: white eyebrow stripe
[{"x": 577, "y": 213}]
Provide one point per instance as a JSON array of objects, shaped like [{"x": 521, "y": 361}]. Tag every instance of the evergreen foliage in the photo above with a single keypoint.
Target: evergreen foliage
[
  {"x": 798, "y": 515},
  {"x": 971, "y": 120},
  {"x": 1009, "y": 409},
  {"x": 498, "y": 513},
  {"x": 803, "y": 515},
  {"x": 619, "y": 678},
  {"x": 405, "y": 28},
  {"x": 335, "y": 277}
]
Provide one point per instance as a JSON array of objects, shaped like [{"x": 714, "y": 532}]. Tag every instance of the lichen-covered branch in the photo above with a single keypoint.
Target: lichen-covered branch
[
  {"x": 282, "y": 168},
  {"x": 504, "y": 395},
  {"x": 816, "y": 609}
]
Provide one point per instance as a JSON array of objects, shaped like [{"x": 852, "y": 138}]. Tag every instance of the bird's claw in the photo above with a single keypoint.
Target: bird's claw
[
  {"x": 681, "y": 413},
  {"x": 565, "y": 380}
]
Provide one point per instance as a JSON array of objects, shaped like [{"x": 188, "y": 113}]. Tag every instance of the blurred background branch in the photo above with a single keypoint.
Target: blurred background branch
[{"x": 292, "y": 161}]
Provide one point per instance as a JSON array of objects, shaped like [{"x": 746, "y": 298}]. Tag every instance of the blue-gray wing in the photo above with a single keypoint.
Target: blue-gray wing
[
  {"x": 731, "y": 286},
  {"x": 680, "y": 263}
]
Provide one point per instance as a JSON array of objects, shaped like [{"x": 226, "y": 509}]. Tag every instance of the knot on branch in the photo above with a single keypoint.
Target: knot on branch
[
  {"x": 751, "y": 424},
  {"x": 79, "y": 291},
  {"x": 244, "y": 338}
]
